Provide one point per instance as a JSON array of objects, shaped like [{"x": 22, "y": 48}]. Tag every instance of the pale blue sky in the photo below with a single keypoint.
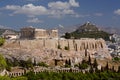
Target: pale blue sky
[{"x": 55, "y": 13}]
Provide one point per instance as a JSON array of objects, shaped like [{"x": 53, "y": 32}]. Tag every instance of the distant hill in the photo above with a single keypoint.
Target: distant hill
[{"x": 87, "y": 30}]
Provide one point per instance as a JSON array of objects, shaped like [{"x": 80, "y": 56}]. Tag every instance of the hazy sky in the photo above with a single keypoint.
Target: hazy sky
[{"x": 54, "y": 13}]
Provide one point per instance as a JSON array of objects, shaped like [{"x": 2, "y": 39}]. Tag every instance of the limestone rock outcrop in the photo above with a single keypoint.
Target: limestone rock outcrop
[
  {"x": 72, "y": 44},
  {"x": 47, "y": 50}
]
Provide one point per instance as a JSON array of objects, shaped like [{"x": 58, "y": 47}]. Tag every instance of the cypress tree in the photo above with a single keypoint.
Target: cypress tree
[
  {"x": 84, "y": 61},
  {"x": 102, "y": 69},
  {"x": 89, "y": 60},
  {"x": 66, "y": 62},
  {"x": 34, "y": 64},
  {"x": 118, "y": 69},
  {"x": 113, "y": 70},
  {"x": 95, "y": 64},
  {"x": 69, "y": 62},
  {"x": 91, "y": 69},
  {"x": 107, "y": 67}
]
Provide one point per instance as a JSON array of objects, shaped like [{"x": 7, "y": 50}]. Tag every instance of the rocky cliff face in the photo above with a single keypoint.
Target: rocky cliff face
[
  {"x": 73, "y": 45},
  {"x": 47, "y": 50}
]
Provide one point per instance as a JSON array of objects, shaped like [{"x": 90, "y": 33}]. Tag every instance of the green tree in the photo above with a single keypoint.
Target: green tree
[
  {"x": 118, "y": 69},
  {"x": 116, "y": 59},
  {"x": 66, "y": 48},
  {"x": 42, "y": 64},
  {"x": 22, "y": 63},
  {"x": 19, "y": 78},
  {"x": 29, "y": 63},
  {"x": 83, "y": 66},
  {"x": 68, "y": 63},
  {"x": 3, "y": 63},
  {"x": 67, "y": 35},
  {"x": 73, "y": 76},
  {"x": 59, "y": 47},
  {"x": 31, "y": 76},
  {"x": 107, "y": 66},
  {"x": 9, "y": 64},
  {"x": 35, "y": 63},
  {"x": 16, "y": 62},
  {"x": 89, "y": 60},
  {"x": 2, "y": 41},
  {"x": 4, "y": 78},
  {"x": 26, "y": 64},
  {"x": 95, "y": 64},
  {"x": 113, "y": 69},
  {"x": 102, "y": 68}
]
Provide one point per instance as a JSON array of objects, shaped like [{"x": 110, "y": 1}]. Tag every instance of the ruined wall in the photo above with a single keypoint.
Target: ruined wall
[
  {"x": 40, "y": 33},
  {"x": 35, "y": 33},
  {"x": 46, "y": 50},
  {"x": 73, "y": 45}
]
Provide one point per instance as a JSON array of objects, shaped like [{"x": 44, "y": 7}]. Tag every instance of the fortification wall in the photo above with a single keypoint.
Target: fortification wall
[
  {"x": 47, "y": 49},
  {"x": 73, "y": 45}
]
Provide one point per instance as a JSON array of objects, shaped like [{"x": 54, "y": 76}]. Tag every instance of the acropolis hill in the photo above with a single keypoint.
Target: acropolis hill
[
  {"x": 46, "y": 50},
  {"x": 44, "y": 45}
]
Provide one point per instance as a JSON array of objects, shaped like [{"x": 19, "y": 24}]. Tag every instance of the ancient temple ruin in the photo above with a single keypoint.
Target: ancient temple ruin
[{"x": 35, "y": 33}]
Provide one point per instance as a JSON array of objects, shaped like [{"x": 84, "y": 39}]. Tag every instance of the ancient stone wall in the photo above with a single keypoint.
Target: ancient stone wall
[
  {"x": 73, "y": 45},
  {"x": 47, "y": 50},
  {"x": 40, "y": 33}
]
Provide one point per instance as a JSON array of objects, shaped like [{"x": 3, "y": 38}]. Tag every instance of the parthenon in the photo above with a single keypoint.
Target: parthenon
[{"x": 35, "y": 33}]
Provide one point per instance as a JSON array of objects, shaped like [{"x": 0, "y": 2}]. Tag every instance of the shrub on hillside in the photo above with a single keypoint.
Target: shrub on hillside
[{"x": 2, "y": 41}]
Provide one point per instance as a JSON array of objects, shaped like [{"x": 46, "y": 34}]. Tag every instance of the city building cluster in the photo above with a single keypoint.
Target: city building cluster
[{"x": 114, "y": 47}]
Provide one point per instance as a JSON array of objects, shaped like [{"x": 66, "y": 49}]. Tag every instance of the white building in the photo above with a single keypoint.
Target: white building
[
  {"x": 8, "y": 34},
  {"x": 115, "y": 37}
]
